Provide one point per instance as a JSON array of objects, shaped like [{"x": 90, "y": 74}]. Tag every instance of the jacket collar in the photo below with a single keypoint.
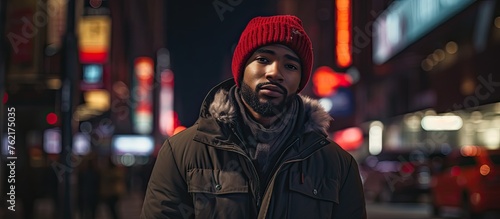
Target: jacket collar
[{"x": 220, "y": 107}]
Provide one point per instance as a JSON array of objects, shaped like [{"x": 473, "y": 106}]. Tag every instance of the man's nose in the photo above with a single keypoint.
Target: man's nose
[{"x": 274, "y": 72}]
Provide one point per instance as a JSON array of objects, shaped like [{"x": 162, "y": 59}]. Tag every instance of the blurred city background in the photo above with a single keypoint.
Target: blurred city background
[{"x": 95, "y": 86}]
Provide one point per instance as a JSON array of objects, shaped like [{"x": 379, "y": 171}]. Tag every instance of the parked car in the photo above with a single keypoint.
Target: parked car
[
  {"x": 468, "y": 179},
  {"x": 395, "y": 176}
]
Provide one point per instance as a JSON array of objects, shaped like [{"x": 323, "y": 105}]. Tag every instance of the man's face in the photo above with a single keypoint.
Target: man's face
[{"x": 270, "y": 80}]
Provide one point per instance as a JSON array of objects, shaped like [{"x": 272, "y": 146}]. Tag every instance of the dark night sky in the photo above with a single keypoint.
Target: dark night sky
[{"x": 200, "y": 45}]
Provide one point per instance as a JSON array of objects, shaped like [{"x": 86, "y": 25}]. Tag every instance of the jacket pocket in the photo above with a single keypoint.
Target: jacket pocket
[
  {"x": 218, "y": 193},
  {"x": 312, "y": 196}
]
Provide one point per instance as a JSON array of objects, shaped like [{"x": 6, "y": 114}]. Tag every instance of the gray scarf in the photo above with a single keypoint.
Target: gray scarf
[{"x": 267, "y": 141}]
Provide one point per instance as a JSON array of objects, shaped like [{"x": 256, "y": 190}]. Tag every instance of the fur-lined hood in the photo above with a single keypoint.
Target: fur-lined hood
[{"x": 316, "y": 118}]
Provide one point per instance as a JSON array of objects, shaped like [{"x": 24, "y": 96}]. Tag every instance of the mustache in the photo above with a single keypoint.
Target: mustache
[{"x": 260, "y": 85}]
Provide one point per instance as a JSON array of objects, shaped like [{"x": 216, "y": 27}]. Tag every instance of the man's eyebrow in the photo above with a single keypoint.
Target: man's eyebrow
[
  {"x": 271, "y": 52},
  {"x": 293, "y": 58},
  {"x": 268, "y": 51}
]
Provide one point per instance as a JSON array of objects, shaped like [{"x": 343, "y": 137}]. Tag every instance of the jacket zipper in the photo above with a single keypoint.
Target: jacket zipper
[
  {"x": 281, "y": 155},
  {"x": 256, "y": 175},
  {"x": 289, "y": 161},
  {"x": 276, "y": 170}
]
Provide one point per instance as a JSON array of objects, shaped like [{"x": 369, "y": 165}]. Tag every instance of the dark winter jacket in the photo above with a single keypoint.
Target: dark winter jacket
[{"x": 204, "y": 172}]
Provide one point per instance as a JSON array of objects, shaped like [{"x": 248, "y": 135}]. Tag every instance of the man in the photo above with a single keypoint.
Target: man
[{"x": 258, "y": 149}]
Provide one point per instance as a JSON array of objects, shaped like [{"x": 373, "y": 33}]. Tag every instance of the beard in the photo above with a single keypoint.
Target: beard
[{"x": 265, "y": 109}]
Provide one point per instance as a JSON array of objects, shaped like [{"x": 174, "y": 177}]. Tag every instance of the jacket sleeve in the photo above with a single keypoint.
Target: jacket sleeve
[
  {"x": 167, "y": 195},
  {"x": 352, "y": 200}
]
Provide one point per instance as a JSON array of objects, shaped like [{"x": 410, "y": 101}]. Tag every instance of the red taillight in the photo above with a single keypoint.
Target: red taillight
[
  {"x": 489, "y": 173},
  {"x": 484, "y": 170}
]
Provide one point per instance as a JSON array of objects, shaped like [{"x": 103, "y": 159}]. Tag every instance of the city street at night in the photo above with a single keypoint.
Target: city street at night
[{"x": 126, "y": 109}]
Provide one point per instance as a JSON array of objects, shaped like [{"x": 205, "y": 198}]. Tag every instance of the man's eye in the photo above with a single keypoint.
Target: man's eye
[
  {"x": 262, "y": 60},
  {"x": 292, "y": 67}
]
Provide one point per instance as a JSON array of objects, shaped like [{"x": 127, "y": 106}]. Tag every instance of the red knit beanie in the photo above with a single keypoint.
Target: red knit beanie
[{"x": 281, "y": 29}]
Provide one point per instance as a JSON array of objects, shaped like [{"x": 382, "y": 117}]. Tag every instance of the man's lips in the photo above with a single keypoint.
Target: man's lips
[{"x": 271, "y": 90}]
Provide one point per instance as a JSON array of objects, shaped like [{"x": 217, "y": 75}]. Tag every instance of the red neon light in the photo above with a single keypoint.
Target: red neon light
[
  {"x": 144, "y": 70},
  {"x": 144, "y": 73},
  {"x": 168, "y": 117},
  {"x": 51, "y": 118},
  {"x": 326, "y": 81},
  {"x": 349, "y": 139},
  {"x": 93, "y": 56},
  {"x": 343, "y": 33}
]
